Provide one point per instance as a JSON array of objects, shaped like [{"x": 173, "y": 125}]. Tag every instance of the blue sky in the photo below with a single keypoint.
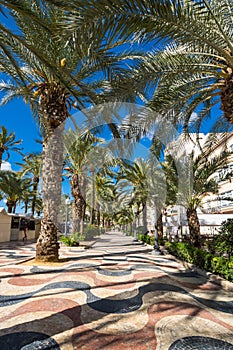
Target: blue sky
[{"x": 16, "y": 116}]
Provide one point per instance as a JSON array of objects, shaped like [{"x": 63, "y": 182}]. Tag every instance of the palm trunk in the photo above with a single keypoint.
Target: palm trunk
[
  {"x": 98, "y": 214},
  {"x": 160, "y": 225},
  {"x": 194, "y": 226},
  {"x": 78, "y": 185},
  {"x": 1, "y": 154},
  {"x": 25, "y": 207},
  {"x": 10, "y": 206},
  {"x": 144, "y": 219},
  {"x": 52, "y": 162},
  {"x": 35, "y": 186},
  {"x": 92, "y": 209}
]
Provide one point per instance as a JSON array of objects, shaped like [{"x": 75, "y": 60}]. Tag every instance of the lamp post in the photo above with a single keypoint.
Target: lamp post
[
  {"x": 67, "y": 215},
  {"x": 156, "y": 250},
  {"x": 180, "y": 222}
]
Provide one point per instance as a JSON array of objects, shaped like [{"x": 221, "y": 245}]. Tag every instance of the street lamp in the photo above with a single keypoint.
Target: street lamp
[
  {"x": 156, "y": 250},
  {"x": 67, "y": 214}
]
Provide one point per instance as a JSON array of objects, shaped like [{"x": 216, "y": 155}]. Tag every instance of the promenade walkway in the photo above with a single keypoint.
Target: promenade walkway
[{"x": 114, "y": 296}]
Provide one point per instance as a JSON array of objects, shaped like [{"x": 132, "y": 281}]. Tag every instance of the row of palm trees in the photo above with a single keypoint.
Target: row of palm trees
[
  {"x": 21, "y": 186},
  {"x": 122, "y": 189},
  {"x": 68, "y": 54},
  {"x": 151, "y": 180}
]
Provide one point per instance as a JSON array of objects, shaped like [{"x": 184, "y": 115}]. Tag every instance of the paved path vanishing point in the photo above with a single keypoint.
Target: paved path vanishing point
[{"x": 113, "y": 296}]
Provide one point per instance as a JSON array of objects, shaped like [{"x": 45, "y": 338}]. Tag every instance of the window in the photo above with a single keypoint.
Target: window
[
  {"x": 15, "y": 222},
  {"x": 226, "y": 199}
]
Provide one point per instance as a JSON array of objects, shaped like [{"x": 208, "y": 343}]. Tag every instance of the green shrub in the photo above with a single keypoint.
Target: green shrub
[
  {"x": 66, "y": 240},
  {"x": 146, "y": 239},
  {"x": 73, "y": 240},
  {"x": 142, "y": 238},
  {"x": 77, "y": 236},
  {"x": 202, "y": 259},
  {"x": 90, "y": 231},
  {"x": 161, "y": 241},
  {"x": 224, "y": 241}
]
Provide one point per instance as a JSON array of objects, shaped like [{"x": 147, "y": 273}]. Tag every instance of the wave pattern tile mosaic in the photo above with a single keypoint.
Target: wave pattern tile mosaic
[{"x": 114, "y": 296}]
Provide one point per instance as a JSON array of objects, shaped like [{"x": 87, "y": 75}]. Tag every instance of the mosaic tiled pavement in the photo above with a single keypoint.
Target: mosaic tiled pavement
[{"x": 115, "y": 295}]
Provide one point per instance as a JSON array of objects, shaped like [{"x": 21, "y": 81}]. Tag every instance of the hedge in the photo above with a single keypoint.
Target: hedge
[
  {"x": 203, "y": 259},
  {"x": 146, "y": 239}
]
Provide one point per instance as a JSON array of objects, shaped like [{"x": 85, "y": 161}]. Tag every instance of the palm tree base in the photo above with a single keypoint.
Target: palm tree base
[{"x": 47, "y": 247}]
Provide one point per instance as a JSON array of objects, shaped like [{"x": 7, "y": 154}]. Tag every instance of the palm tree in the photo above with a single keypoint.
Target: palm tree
[
  {"x": 26, "y": 199},
  {"x": 145, "y": 177},
  {"x": 8, "y": 143},
  {"x": 169, "y": 169},
  {"x": 79, "y": 148},
  {"x": 51, "y": 80},
  {"x": 13, "y": 187},
  {"x": 106, "y": 195},
  {"x": 199, "y": 183},
  {"x": 124, "y": 217},
  {"x": 32, "y": 166},
  {"x": 136, "y": 174},
  {"x": 39, "y": 205}
]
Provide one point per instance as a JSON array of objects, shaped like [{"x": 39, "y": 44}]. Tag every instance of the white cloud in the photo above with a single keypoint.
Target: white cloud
[{"x": 6, "y": 166}]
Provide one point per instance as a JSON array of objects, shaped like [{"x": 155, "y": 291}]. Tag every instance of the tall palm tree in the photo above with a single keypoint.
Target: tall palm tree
[
  {"x": 145, "y": 177},
  {"x": 51, "y": 80},
  {"x": 78, "y": 165},
  {"x": 169, "y": 169},
  {"x": 200, "y": 182},
  {"x": 32, "y": 166},
  {"x": 39, "y": 205},
  {"x": 26, "y": 199},
  {"x": 124, "y": 216},
  {"x": 13, "y": 187},
  {"x": 106, "y": 194},
  {"x": 111, "y": 198},
  {"x": 8, "y": 143},
  {"x": 136, "y": 174}
]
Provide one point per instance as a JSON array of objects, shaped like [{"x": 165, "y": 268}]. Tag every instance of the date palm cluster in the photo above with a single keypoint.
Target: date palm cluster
[
  {"x": 54, "y": 103},
  {"x": 227, "y": 96}
]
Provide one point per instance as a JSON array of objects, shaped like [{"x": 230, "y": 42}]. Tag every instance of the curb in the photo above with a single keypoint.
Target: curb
[
  {"x": 24, "y": 261},
  {"x": 87, "y": 244}
]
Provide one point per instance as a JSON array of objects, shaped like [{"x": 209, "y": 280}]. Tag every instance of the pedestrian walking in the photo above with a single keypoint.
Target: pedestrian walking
[{"x": 25, "y": 228}]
